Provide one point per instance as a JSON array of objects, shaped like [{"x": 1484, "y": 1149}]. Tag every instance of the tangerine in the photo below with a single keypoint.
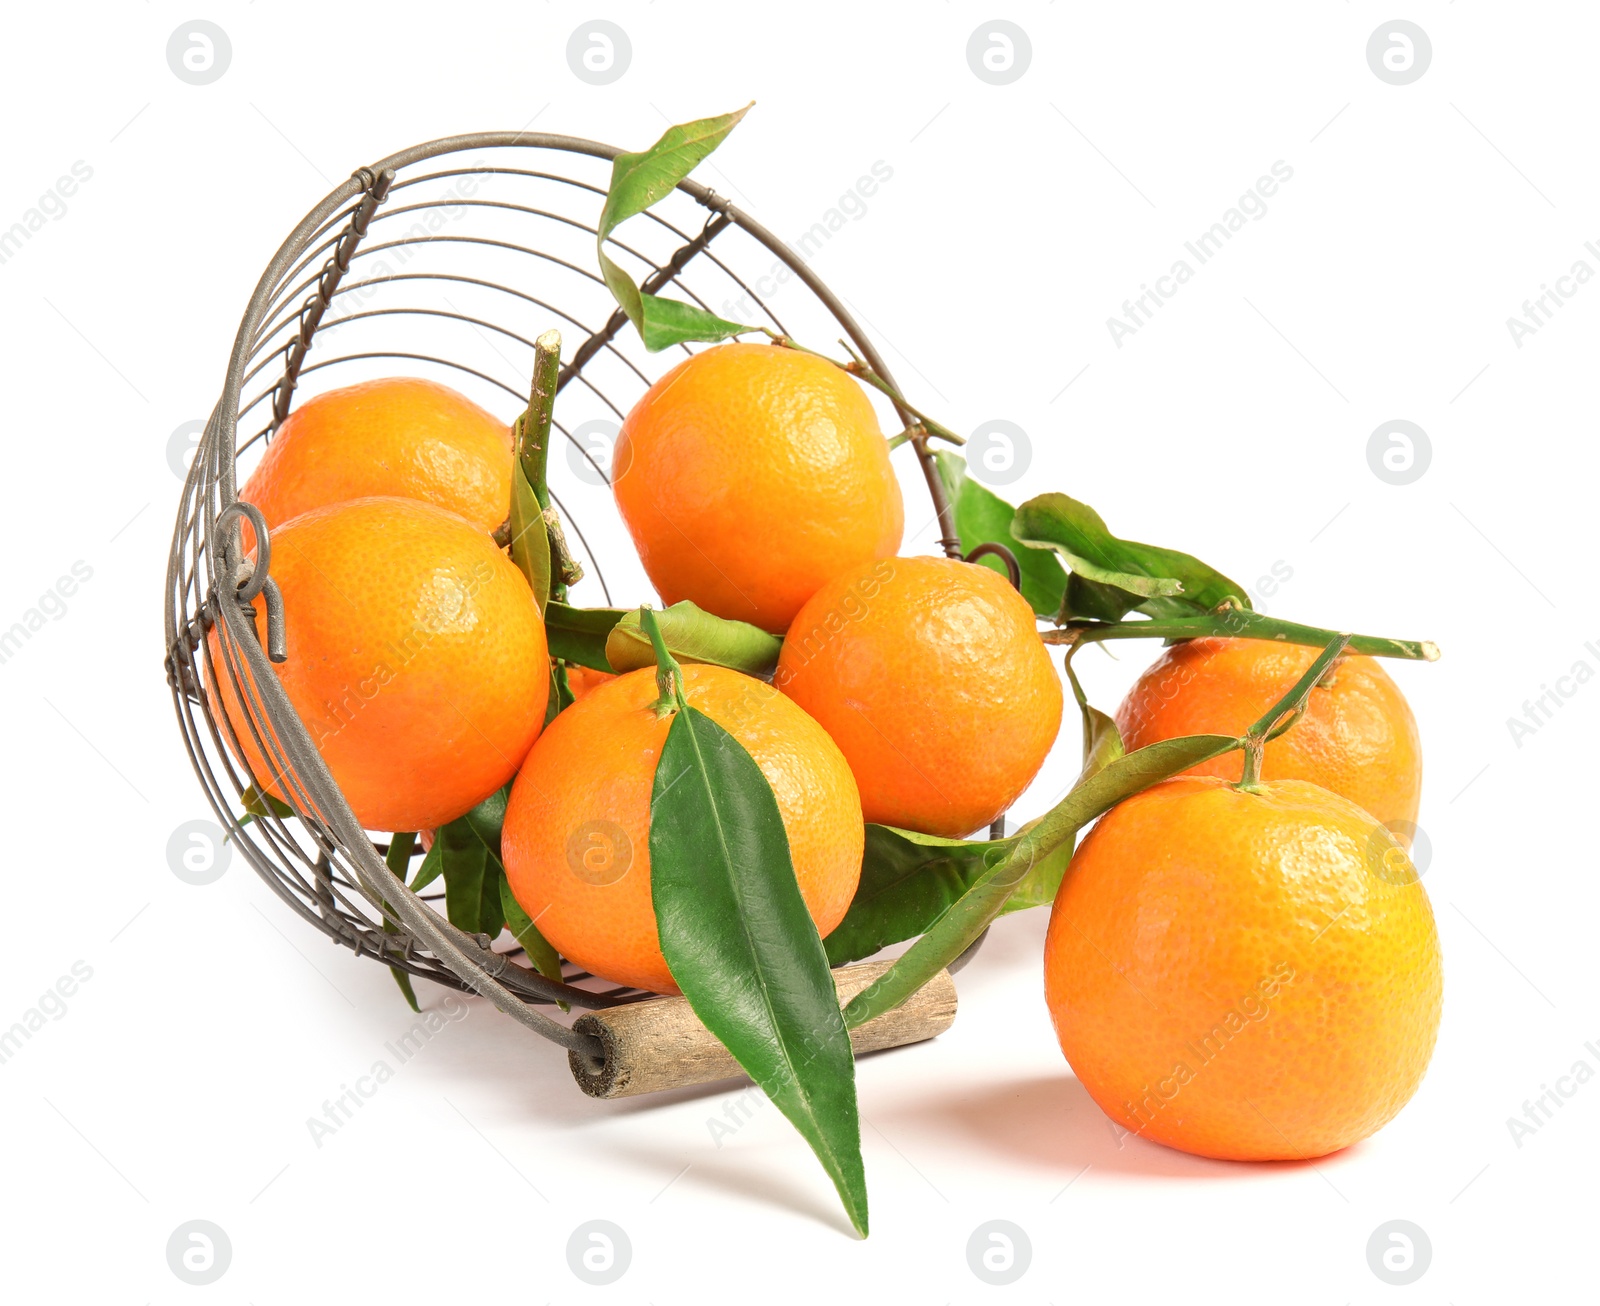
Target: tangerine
[
  {"x": 417, "y": 659},
  {"x": 1251, "y": 975},
  {"x": 930, "y": 675},
  {"x": 399, "y": 436},
  {"x": 749, "y": 475},
  {"x": 576, "y": 839},
  {"x": 1357, "y": 736}
]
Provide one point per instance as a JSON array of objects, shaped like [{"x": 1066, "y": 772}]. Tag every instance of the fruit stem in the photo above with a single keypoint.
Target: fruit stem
[
  {"x": 532, "y": 431},
  {"x": 669, "y": 675},
  {"x": 531, "y": 441},
  {"x": 1284, "y": 713},
  {"x": 1250, "y": 781}
]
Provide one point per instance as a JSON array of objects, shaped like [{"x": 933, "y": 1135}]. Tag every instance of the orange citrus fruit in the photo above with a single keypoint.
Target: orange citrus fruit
[
  {"x": 417, "y": 659},
  {"x": 1357, "y": 737},
  {"x": 400, "y": 436},
  {"x": 577, "y": 830},
  {"x": 583, "y": 681},
  {"x": 930, "y": 676},
  {"x": 751, "y": 474},
  {"x": 1245, "y": 975}
]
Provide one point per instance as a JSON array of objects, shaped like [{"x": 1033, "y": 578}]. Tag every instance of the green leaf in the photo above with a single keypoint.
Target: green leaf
[
  {"x": 1038, "y": 887},
  {"x": 907, "y": 881},
  {"x": 530, "y": 541},
  {"x": 544, "y": 958},
  {"x": 971, "y": 914},
  {"x": 1102, "y": 741},
  {"x": 693, "y": 635},
  {"x": 257, "y": 804},
  {"x": 1102, "y": 745},
  {"x": 637, "y": 182},
  {"x": 982, "y": 517},
  {"x": 668, "y": 322},
  {"x": 486, "y": 819},
  {"x": 430, "y": 870},
  {"x": 742, "y": 946},
  {"x": 561, "y": 695},
  {"x": 1110, "y": 576},
  {"x": 579, "y": 634},
  {"x": 398, "y": 860},
  {"x": 471, "y": 879}
]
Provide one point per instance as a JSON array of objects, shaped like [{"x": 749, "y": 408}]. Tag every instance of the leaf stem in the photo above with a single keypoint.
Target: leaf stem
[
  {"x": 1239, "y": 623},
  {"x": 1284, "y": 713}
]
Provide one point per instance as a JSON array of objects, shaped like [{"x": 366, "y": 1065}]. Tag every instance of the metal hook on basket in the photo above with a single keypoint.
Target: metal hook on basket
[
  {"x": 994, "y": 550},
  {"x": 251, "y": 576}
]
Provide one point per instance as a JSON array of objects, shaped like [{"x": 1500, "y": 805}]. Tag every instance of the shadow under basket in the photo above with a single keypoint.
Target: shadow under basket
[{"x": 448, "y": 260}]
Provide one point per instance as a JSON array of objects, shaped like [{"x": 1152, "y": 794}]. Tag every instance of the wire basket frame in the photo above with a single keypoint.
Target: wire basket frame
[{"x": 471, "y": 245}]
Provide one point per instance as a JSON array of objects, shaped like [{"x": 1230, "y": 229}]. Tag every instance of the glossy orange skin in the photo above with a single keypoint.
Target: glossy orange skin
[
  {"x": 1357, "y": 737},
  {"x": 930, "y": 676},
  {"x": 749, "y": 475},
  {"x": 417, "y": 658},
  {"x": 399, "y": 436},
  {"x": 590, "y": 779},
  {"x": 1251, "y": 976}
]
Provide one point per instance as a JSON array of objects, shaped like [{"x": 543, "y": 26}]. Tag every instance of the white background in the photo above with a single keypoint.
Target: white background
[{"x": 177, "y": 1084}]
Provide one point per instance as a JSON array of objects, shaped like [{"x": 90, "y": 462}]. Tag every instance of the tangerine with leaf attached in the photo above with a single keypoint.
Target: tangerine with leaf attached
[
  {"x": 1357, "y": 736},
  {"x": 576, "y": 838}
]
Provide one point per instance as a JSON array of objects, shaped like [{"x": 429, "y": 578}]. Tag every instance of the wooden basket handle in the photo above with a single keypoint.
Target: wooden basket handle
[{"x": 659, "y": 1044}]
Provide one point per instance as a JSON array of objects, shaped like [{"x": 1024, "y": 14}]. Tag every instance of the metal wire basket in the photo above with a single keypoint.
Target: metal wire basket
[{"x": 446, "y": 259}]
